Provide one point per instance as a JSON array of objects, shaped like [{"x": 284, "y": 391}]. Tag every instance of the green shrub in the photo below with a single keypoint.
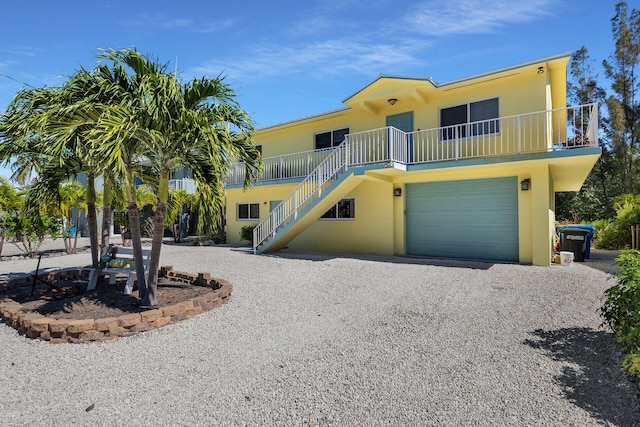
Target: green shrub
[
  {"x": 218, "y": 237},
  {"x": 621, "y": 309},
  {"x": 601, "y": 226},
  {"x": 617, "y": 235},
  {"x": 246, "y": 233}
]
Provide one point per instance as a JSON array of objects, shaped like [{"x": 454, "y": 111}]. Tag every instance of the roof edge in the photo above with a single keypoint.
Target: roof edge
[{"x": 462, "y": 79}]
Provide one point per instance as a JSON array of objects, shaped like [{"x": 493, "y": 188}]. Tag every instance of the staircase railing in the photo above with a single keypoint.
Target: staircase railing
[{"x": 310, "y": 187}]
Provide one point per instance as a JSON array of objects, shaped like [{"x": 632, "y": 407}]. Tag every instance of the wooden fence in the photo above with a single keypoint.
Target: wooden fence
[{"x": 635, "y": 237}]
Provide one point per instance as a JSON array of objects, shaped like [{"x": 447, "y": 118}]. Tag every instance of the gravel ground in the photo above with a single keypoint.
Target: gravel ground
[{"x": 310, "y": 339}]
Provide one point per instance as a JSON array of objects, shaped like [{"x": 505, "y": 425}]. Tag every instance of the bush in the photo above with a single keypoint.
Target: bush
[
  {"x": 621, "y": 309},
  {"x": 617, "y": 235},
  {"x": 217, "y": 238},
  {"x": 246, "y": 233}
]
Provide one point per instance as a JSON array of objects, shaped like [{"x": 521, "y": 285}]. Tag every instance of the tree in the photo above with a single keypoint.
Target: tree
[
  {"x": 197, "y": 124},
  {"x": 593, "y": 201},
  {"x": 624, "y": 104},
  {"x": 10, "y": 203},
  {"x": 46, "y": 129},
  {"x": 179, "y": 208},
  {"x": 73, "y": 198}
]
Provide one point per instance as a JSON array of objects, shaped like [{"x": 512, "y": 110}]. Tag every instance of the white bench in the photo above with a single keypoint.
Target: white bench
[{"x": 120, "y": 254}]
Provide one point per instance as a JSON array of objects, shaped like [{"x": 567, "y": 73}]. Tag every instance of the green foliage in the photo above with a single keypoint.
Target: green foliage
[
  {"x": 246, "y": 233},
  {"x": 10, "y": 199},
  {"x": 217, "y": 238},
  {"x": 28, "y": 232},
  {"x": 617, "y": 235},
  {"x": 601, "y": 225},
  {"x": 621, "y": 309}
]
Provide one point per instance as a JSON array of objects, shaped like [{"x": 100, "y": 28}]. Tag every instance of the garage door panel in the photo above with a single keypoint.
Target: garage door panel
[{"x": 464, "y": 219}]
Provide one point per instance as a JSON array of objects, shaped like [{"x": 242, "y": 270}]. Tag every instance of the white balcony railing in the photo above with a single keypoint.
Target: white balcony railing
[
  {"x": 296, "y": 165},
  {"x": 186, "y": 184},
  {"x": 551, "y": 130}
]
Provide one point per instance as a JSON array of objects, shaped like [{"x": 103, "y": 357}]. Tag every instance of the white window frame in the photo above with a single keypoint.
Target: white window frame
[
  {"x": 249, "y": 217},
  {"x": 352, "y": 201},
  {"x": 466, "y": 125}
]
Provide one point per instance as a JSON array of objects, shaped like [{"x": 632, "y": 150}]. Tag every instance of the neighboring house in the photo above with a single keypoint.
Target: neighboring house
[{"x": 463, "y": 169}]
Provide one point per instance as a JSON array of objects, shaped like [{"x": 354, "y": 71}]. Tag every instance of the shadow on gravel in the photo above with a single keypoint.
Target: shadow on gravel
[
  {"x": 592, "y": 378},
  {"x": 395, "y": 259}
]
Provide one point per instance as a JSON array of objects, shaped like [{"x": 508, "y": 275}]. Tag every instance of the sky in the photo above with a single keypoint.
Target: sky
[{"x": 290, "y": 59}]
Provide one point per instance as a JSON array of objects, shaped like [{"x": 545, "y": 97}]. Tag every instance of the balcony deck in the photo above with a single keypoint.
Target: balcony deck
[{"x": 547, "y": 131}]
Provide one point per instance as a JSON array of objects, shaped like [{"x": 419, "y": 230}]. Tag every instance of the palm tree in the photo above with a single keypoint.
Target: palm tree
[
  {"x": 72, "y": 198},
  {"x": 46, "y": 129},
  {"x": 197, "y": 125}
]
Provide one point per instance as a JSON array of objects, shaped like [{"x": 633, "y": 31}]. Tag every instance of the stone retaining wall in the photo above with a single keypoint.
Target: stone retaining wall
[{"x": 58, "y": 331}]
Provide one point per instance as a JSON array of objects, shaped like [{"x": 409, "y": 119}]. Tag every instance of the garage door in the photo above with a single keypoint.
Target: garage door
[{"x": 475, "y": 219}]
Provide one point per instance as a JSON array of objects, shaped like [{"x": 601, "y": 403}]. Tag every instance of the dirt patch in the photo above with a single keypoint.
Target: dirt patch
[{"x": 74, "y": 302}]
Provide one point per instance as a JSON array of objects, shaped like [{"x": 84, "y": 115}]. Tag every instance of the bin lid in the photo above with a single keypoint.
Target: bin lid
[{"x": 575, "y": 231}]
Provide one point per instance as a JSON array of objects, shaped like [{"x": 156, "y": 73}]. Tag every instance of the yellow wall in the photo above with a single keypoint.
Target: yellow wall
[
  {"x": 372, "y": 230},
  {"x": 519, "y": 91},
  {"x": 379, "y": 226},
  {"x": 259, "y": 194}
]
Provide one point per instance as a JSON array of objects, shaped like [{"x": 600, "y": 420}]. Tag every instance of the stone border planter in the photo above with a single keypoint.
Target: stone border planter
[{"x": 57, "y": 331}]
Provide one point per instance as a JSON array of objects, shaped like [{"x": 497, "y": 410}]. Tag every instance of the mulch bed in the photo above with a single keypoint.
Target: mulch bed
[
  {"x": 60, "y": 310},
  {"x": 105, "y": 301}
]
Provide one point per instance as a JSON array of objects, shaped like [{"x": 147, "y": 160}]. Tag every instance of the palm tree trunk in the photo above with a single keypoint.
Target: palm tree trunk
[
  {"x": 156, "y": 243},
  {"x": 134, "y": 229},
  {"x": 92, "y": 220},
  {"x": 107, "y": 198}
]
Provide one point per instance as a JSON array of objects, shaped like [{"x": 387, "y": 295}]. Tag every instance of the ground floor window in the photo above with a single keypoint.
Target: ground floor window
[
  {"x": 248, "y": 210},
  {"x": 344, "y": 209}
]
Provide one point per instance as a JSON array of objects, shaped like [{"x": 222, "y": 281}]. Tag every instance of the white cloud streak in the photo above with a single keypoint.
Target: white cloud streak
[
  {"x": 445, "y": 17},
  {"x": 379, "y": 45},
  {"x": 318, "y": 59}
]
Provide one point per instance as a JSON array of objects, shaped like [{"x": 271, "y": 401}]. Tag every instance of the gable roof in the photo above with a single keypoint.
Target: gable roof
[{"x": 392, "y": 81}]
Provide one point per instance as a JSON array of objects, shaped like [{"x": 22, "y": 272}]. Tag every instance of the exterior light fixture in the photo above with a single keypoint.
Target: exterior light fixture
[
  {"x": 540, "y": 70},
  {"x": 397, "y": 192},
  {"x": 525, "y": 184},
  {"x": 392, "y": 101}
]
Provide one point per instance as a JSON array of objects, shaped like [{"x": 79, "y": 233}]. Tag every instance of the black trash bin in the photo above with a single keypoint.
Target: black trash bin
[{"x": 574, "y": 240}]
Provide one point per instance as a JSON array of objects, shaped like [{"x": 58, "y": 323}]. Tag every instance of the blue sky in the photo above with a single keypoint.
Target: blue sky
[{"x": 290, "y": 59}]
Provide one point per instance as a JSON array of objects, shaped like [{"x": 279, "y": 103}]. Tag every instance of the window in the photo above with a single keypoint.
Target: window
[
  {"x": 248, "y": 210},
  {"x": 468, "y": 115},
  {"x": 259, "y": 148},
  {"x": 344, "y": 209},
  {"x": 330, "y": 139}
]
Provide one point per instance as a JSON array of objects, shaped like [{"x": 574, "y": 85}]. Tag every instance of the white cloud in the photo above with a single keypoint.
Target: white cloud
[
  {"x": 315, "y": 60},
  {"x": 448, "y": 17},
  {"x": 22, "y": 51},
  {"x": 165, "y": 23},
  {"x": 215, "y": 26},
  {"x": 383, "y": 42}
]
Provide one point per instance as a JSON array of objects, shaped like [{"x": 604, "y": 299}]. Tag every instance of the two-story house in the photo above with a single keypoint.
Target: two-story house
[{"x": 467, "y": 168}]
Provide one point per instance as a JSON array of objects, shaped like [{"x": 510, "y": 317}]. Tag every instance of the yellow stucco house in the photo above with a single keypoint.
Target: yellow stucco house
[{"x": 463, "y": 169}]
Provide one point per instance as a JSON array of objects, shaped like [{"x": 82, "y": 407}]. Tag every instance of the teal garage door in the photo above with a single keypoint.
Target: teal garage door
[{"x": 475, "y": 219}]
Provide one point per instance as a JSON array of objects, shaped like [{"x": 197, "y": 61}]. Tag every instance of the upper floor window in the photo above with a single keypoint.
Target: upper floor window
[
  {"x": 330, "y": 139},
  {"x": 476, "y": 118}
]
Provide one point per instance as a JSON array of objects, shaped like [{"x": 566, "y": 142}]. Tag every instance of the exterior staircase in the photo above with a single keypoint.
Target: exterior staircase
[{"x": 325, "y": 186}]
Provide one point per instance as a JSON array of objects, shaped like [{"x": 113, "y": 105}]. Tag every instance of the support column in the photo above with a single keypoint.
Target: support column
[{"x": 541, "y": 216}]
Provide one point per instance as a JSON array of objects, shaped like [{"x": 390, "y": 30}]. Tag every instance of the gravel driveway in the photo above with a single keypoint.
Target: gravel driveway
[{"x": 336, "y": 340}]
